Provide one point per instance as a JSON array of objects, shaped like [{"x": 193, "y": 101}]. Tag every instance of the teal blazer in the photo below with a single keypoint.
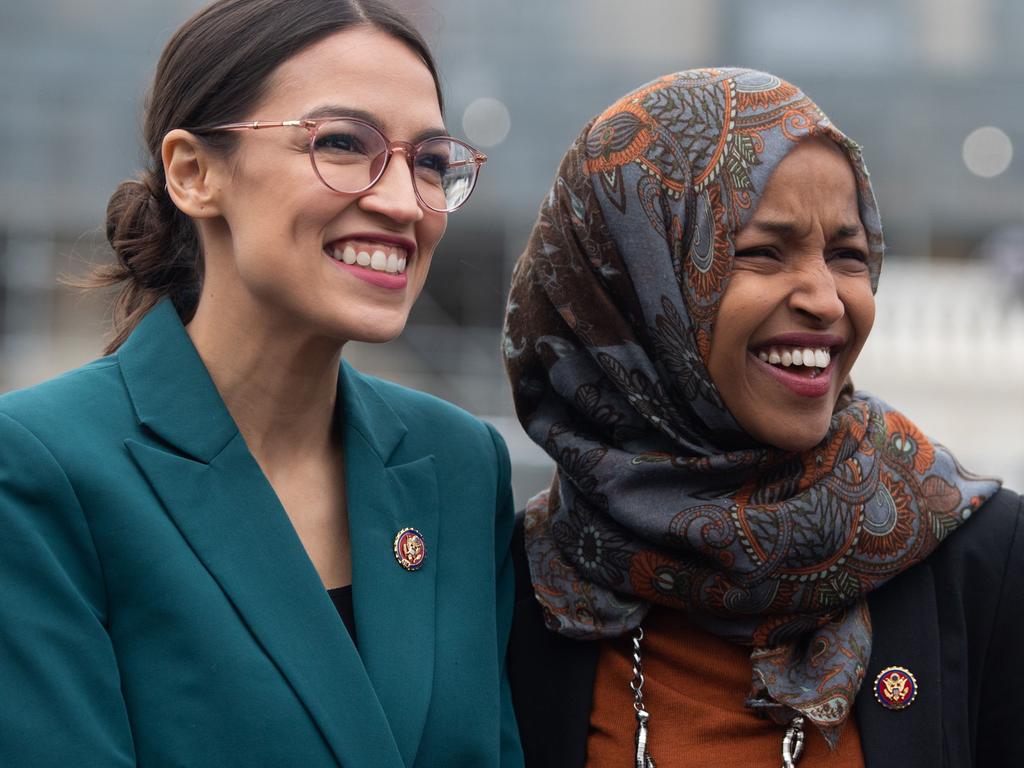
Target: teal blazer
[{"x": 158, "y": 609}]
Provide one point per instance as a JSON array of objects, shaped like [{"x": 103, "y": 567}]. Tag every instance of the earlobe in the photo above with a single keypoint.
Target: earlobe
[{"x": 190, "y": 174}]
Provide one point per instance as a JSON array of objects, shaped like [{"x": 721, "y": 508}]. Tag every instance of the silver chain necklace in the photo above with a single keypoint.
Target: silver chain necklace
[
  {"x": 792, "y": 742},
  {"x": 643, "y": 759}
]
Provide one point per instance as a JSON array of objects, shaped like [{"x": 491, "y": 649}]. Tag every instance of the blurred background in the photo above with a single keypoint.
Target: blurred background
[{"x": 930, "y": 88}]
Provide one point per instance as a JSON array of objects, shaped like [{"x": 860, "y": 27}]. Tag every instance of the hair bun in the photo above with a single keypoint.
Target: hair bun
[
  {"x": 131, "y": 212},
  {"x": 157, "y": 254},
  {"x": 136, "y": 225}
]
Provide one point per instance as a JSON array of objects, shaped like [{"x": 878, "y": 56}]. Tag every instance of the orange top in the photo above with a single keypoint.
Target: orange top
[{"x": 695, "y": 684}]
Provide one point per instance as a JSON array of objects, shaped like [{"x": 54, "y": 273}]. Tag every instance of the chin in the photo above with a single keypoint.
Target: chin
[
  {"x": 369, "y": 325},
  {"x": 796, "y": 440},
  {"x": 378, "y": 338},
  {"x": 375, "y": 335},
  {"x": 799, "y": 444}
]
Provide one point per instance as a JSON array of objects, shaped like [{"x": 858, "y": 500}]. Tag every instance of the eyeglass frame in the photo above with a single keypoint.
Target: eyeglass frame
[{"x": 312, "y": 124}]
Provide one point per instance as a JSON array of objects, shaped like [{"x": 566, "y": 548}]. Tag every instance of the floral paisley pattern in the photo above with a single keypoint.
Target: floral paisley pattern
[{"x": 659, "y": 496}]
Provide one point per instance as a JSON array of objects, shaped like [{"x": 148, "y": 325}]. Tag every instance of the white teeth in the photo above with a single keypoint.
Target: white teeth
[
  {"x": 391, "y": 260},
  {"x": 810, "y": 358}
]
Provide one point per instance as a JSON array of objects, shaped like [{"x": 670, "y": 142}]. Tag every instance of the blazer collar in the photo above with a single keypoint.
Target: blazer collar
[
  {"x": 371, "y": 706},
  {"x": 170, "y": 388},
  {"x": 174, "y": 396},
  {"x": 367, "y": 414}
]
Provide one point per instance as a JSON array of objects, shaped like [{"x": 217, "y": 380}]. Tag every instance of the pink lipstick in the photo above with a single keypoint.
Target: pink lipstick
[{"x": 373, "y": 277}]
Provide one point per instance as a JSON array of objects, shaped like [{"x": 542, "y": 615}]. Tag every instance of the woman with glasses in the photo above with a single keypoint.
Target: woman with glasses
[
  {"x": 741, "y": 561},
  {"x": 220, "y": 544}
]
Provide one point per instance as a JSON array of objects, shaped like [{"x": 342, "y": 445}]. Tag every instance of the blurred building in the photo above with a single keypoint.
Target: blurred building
[{"x": 911, "y": 80}]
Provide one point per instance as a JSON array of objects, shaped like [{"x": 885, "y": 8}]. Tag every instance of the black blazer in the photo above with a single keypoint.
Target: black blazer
[{"x": 955, "y": 620}]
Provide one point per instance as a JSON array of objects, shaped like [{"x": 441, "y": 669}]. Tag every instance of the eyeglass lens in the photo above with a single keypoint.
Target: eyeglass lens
[{"x": 349, "y": 157}]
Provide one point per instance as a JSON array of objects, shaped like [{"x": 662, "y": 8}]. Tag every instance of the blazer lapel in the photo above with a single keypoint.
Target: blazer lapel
[
  {"x": 394, "y": 607},
  {"x": 552, "y": 676},
  {"x": 904, "y": 618},
  {"x": 226, "y": 510}
]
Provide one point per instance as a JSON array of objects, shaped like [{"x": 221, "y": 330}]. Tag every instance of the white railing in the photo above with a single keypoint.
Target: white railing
[{"x": 948, "y": 350}]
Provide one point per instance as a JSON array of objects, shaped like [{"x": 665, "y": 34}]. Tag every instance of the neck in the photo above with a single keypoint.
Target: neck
[{"x": 279, "y": 381}]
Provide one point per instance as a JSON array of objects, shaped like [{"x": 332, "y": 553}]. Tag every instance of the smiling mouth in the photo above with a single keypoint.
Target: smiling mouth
[
  {"x": 375, "y": 257},
  {"x": 807, "y": 361}
]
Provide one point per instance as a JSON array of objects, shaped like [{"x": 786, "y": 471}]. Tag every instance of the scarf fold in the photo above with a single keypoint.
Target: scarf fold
[{"x": 659, "y": 496}]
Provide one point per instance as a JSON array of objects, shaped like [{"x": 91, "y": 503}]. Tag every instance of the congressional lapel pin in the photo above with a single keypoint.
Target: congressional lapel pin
[
  {"x": 410, "y": 549},
  {"x": 895, "y": 688}
]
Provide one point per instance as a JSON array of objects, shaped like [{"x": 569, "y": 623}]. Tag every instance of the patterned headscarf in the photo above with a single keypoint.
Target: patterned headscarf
[{"x": 660, "y": 497}]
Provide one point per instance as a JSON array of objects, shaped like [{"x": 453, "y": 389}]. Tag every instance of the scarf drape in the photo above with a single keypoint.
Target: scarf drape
[{"x": 659, "y": 496}]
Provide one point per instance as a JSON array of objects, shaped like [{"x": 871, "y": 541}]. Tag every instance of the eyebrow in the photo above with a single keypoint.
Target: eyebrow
[
  {"x": 788, "y": 230},
  {"x": 334, "y": 110}
]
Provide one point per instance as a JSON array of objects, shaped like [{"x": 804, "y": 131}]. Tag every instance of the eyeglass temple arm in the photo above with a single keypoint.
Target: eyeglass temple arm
[
  {"x": 255, "y": 125},
  {"x": 480, "y": 159}
]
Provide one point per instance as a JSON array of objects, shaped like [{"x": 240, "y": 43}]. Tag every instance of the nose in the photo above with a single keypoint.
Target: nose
[
  {"x": 815, "y": 295},
  {"x": 394, "y": 196}
]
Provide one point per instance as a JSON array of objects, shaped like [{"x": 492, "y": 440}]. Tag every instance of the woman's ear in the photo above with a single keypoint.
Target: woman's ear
[{"x": 191, "y": 170}]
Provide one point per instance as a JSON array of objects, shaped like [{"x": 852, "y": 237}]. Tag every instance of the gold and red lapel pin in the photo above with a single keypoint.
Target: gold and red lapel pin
[
  {"x": 410, "y": 549},
  {"x": 895, "y": 688}
]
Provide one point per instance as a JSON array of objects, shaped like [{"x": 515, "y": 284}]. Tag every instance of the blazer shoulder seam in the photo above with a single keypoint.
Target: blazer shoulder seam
[
  {"x": 74, "y": 492},
  {"x": 102, "y": 364}
]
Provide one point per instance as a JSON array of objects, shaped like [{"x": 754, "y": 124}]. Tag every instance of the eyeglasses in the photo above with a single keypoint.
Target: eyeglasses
[{"x": 350, "y": 156}]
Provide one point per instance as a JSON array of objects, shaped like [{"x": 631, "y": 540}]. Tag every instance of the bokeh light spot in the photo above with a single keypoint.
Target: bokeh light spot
[
  {"x": 486, "y": 122},
  {"x": 987, "y": 151}
]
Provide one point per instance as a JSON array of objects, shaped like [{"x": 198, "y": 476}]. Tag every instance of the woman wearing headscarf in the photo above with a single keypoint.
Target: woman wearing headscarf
[{"x": 741, "y": 561}]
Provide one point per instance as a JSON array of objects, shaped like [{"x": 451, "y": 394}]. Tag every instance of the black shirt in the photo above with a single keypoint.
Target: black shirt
[{"x": 342, "y": 599}]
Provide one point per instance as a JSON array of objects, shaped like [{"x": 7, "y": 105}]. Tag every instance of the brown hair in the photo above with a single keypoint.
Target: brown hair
[{"x": 212, "y": 71}]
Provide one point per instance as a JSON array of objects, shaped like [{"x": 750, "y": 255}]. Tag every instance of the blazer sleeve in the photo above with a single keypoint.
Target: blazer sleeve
[
  {"x": 61, "y": 701},
  {"x": 511, "y": 751},
  {"x": 1000, "y": 739}
]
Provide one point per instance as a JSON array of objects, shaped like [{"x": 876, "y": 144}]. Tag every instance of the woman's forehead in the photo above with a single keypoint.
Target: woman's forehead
[
  {"x": 815, "y": 175},
  {"x": 360, "y": 69}
]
